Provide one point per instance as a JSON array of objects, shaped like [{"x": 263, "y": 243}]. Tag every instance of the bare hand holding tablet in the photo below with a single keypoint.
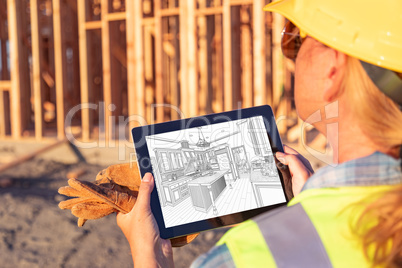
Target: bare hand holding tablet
[{"x": 212, "y": 171}]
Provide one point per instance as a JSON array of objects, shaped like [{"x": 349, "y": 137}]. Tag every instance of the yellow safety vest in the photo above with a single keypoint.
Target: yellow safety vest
[{"x": 313, "y": 231}]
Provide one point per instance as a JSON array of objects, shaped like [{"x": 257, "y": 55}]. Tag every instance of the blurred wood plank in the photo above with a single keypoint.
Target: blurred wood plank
[
  {"x": 209, "y": 11},
  {"x": 175, "y": 112},
  {"x": 149, "y": 71},
  {"x": 86, "y": 119},
  {"x": 115, "y": 16},
  {"x": 135, "y": 62},
  {"x": 170, "y": 12},
  {"x": 242, "y": 2},
  {"x": 227, "y": 56},
  {"x": 202, "y": 57},
  {"x": 218, "y": 66},
  {"x": 277, "y": 59},
  {"x": 59, "y": 67},
  {"x": 184, "y": 96},
  {"x": 259, "y": 53},
  {"x": 20, "y": 87},
  {"x": 30, "y": 156},
  {"x": 5, "y": 85},
  {"x": 3, "y": 115},
  {"x": 107, "y": 80},
  {"x": 247, "y": 57},
  {"x": 90, "y": 25},
  {"x": 36, "y": 69},
  {"x": 192, "y": 81},
  {"x": 159, "y": 75}
]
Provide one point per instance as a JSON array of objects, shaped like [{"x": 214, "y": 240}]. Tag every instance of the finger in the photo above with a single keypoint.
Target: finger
[
  {"x": 68, "y": 204},
  {"x": 81, "y": 222},
  {"x": 69, "y": 191},
  {"x": 119, "y": 217},
  {"x": 144, "y": 194},
  {"x": 91, "y": 211},
  {"x": 289, "y": 150},
  {"x": 296, "y": 166}
]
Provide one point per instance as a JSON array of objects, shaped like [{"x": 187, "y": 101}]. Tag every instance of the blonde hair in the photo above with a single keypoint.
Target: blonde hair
[
  {"x": 381, "y": 120},
  {"x": 379, "y": 117},
  {"x": 383, "y": 239}
]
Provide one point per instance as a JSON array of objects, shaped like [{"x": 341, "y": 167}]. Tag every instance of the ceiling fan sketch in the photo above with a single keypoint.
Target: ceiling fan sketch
[{"x": 202, "y": 140}]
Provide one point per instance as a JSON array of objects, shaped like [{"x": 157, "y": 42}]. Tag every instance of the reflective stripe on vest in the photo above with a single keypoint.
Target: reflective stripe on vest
[
  {"x": 314, "y": 231},
  {"x": 296, "y": 232}
]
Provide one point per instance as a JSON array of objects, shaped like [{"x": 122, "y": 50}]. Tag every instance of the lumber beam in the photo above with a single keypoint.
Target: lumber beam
[
  {"x": 3, "y": 116},
  {"x": 277, "y": 59},
  {"x": 115, "y": 16},
  {"x": 86, "y": 118},
  {"x": 36, "y": 69},
  {"x": 159, "y": 75},
  {"x": 135, "y": 61},
  {"x": 202, "y": 58},
  {"x": 192, "y": 82},
  {"x": 259, "y": 53},
  {"x": 106, "y": 66},
  {"x": 168, "y": 12},
  {"x": 92, "y": 25},
  {"x": 59, "y": 67},
  {"x": 184, "y": 96},
  {"x": 32, "y": 155},
  {"x": 19, "y": 72},
  {"x": 5, "y": 85},
  {"x": 227, "y": 56},
  {"x": 246, "y": 57}
]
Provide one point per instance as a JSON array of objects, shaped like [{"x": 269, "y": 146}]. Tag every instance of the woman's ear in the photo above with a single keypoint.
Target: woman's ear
[{"x": 334, "y": 75}]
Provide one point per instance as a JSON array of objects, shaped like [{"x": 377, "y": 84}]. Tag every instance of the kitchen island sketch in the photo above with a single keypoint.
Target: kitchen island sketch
[
  {"x": 214, "y": 170},
  {"x": 204, "y": 191}
]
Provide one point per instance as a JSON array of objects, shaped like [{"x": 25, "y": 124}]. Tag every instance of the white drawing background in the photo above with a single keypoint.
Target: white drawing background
[{"x": 231, "y": 170}]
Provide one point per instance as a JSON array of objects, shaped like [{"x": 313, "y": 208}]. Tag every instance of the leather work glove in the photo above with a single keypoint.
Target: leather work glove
[{"x": 115, "y": 189}]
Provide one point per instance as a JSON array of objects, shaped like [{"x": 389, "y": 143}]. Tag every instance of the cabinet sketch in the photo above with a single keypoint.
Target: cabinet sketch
[{"x": 214, "y": 170}]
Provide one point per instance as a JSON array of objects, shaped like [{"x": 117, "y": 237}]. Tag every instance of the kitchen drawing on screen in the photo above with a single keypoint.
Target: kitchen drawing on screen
[{"x": 214, "y": 170}]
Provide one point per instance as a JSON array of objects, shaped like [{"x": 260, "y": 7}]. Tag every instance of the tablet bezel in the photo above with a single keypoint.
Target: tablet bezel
[{"x": 143, "y": 157}]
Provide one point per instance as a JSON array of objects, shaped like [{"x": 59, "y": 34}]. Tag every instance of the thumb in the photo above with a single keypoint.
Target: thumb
[
  {"x": 144, "y": 193},
  {"x": 282, "y": 158}
]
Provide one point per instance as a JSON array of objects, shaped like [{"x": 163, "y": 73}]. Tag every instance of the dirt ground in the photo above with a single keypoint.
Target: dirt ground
[{"x": 34, "y": 232}]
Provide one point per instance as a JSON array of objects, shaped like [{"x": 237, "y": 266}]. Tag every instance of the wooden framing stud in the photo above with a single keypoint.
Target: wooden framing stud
[
  {"x": 2, "y": 115},
  {"x": 86, "y": 118},
  {"x": 246, "y": 57},
  {"x": 20, "y": 88},
  {"x": 36, "y": 69},
  {"x": 59, "y": 68},
  {"x": 227, "y": 56},
  {"x": 259, "y": 53},
  {"x": 191, "y": 58},
  {"x": 91, "y": 25},
  {"x": 106, "y": 65},
  {"x": 277, "y": 59}
]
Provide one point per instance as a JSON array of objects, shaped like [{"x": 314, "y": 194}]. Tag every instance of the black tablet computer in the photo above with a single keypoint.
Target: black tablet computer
[{"x": 212, "y": 171}]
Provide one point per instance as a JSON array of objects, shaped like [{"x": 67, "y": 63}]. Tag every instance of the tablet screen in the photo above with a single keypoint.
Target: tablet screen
[{"x": 214, "y": 170}]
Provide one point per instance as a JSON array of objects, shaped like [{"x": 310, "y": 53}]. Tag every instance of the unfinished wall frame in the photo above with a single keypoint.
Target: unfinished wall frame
[{"x": 106, "y": 66}]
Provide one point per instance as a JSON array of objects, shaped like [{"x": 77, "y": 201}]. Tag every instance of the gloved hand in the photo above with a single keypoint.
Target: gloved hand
[{"x": 114, "y": 190}]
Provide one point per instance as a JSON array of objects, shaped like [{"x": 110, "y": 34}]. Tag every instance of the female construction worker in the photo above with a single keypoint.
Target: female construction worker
[{"x": 347, "y": 53}]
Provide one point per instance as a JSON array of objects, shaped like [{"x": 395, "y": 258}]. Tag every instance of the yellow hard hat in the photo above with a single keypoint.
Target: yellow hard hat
[{"x": 365, "y": 29}]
